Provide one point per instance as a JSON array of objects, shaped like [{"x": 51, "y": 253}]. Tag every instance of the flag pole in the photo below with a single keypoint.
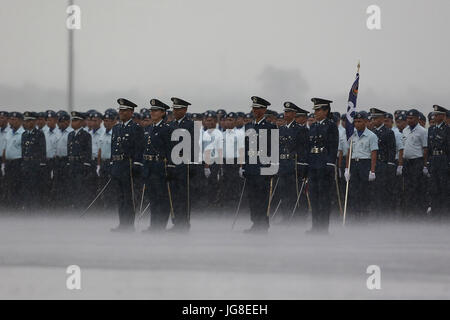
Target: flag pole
[
  {"x": 349, "y": 164},
  {"x": 70, "y": 67},
  {"x": 346, "y": 188}
]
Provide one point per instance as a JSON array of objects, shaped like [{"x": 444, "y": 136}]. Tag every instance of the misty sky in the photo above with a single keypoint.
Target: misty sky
[{"x": 219, "y": 53}]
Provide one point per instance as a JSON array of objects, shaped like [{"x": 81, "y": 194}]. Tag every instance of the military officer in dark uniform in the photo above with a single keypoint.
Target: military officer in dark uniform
[
  {"x": 156, "y": 153},
  {"x": 109, "y": 197},
  {"x": 127, "y": 147},
  {"x": 61, "y": 186},
  {"x": 33, "y": 159},
  {"x": 385, "y": 167},
  {"x": 79, "y": 154},
  {"x": 439, "y": 163},
  {"x": 179, "y": 174},
  {"x": 302, "y": 117},
  {"x": 293, "y": 159},
  {"x": 259, "y": 185},
  {"x": 322, "y": 150}
]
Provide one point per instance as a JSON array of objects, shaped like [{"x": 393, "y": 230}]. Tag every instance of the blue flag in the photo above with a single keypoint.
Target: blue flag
[{"x": 351, "y": 107}]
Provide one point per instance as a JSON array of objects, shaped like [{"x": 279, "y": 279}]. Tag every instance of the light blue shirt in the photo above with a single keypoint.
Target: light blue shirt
[
  {"x": 233, "y": 141},
  {"x": 415, "y": 140},
  {"x": 3, "y": 134},
  {"x": 44, "y": 128},
  {"x": 399, "y": 145},
  {"x": 61, "y": 145},
  {"x": 105, "y": 144},
  {"x": 51, "y": 141},
  {"x": 96, "y": 137},
  {"x": 363, "y": 146},
  {"x": 13, "y": 148}
]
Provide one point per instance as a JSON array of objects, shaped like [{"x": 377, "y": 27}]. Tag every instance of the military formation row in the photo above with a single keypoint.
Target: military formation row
[{"x": 390, "y": 163}]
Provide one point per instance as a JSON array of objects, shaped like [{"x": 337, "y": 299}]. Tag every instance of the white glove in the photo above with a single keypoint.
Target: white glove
[
  {"x": 3, "y": 169},
  {"x": 371, "y": 176},
  {"x": 51, "y": 175},
  {"x": 399, "y": 170},
  {"x": 207, "y": 173},
  {"x": 98, "y": 171},
  {"x": 347, "y": 174},
  {"x": 241, "y": 172},
  {"x": 425, "y": 172}
]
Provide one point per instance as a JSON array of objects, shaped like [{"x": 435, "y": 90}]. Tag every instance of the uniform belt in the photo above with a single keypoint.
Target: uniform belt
[
  {"x": 253, "y": 153},
  {"x": 73, "y": 158},
  {"x": 438, "y": 152},
  {"x": 414, "y": 160},
  {"x": 30, "y": 158},
  {"x": 118, "y": 157},
  {"x": 317, "y": 150},
  {"x": 153, "y": 157},
  {"x": 287, "y": 156},
  {"x": 359, "y": 159}
]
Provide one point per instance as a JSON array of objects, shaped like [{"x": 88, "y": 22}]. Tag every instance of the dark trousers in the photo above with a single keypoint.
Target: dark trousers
[
  {"x": 3, "y": 189},
  {"x": 359, "y": 189},
  {"x": 212, "y": 186},
  {"x": 156, "y": 188},
  {"x": 383, "y": 199},
  {"x": 398, "y": 192},
  {"x": 197, "y": 187},
  {"x": 60, "y": 194},
  {"x": 230, "y": 187},
  {"x": 179, "y": 186},
  {"x": 320, "y": 182},
  {"x": 109, "y": 196},
  {"x": 286, "y": 194},
  {"x": 80, "y": 195},
  {"x": 13, "y": 183},
  {"x": 45, "y": 185},
  {"x": 122, "y": 179},
  {"x": 31, "y": 185},
  {"x": 439, "y": 186},
  {"x": 258, "y": 189},
  {"x": 414, "y": 187}
]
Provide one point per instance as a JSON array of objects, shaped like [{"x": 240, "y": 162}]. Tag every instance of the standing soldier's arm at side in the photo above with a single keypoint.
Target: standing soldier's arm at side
[
  {"x": 391, "y": 146},
  {"x": 373, "y": 161},
  {"x": 139, "y": 145},
  {"x": 333, "y": 143},
  {"x": 87, "y": 152},
  {"x": 43, "y": 145}
]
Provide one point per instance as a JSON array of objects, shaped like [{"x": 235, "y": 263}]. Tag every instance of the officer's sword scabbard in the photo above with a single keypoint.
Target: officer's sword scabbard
[{"x": 172, "y": 216}]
